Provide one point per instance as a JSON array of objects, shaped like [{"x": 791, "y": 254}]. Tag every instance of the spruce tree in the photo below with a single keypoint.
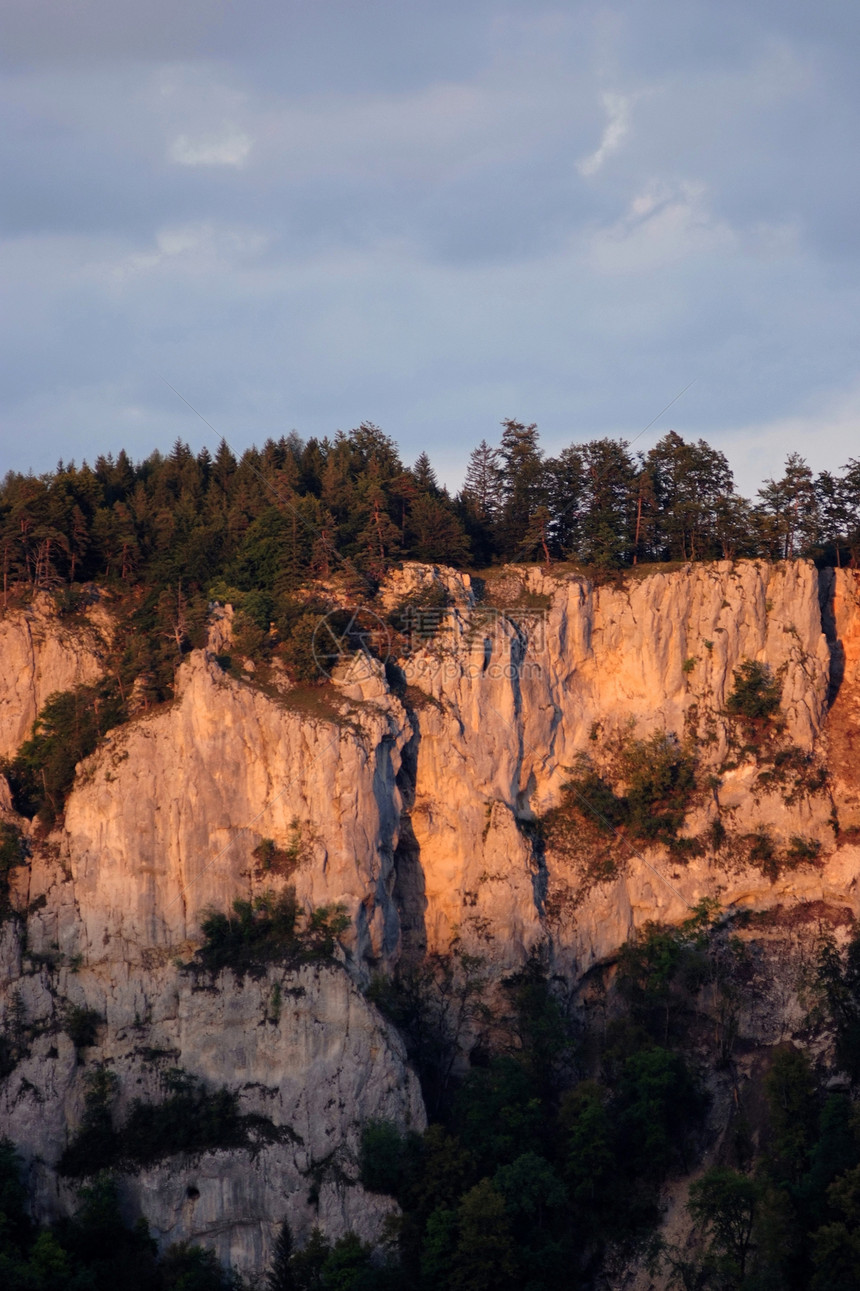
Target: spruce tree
[
  {"x": 522, "y": 485},
  {"x": 425, "y": 476},
  {"x": 609, "y": 503},
  {"x": 280, "y": 1276},
  {"x": 793, "y": 506},
  {"x": 482, "y": 490}
]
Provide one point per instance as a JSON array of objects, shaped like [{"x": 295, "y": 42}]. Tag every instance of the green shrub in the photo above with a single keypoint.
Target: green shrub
[
  {"x": 15, "y": 1224},
  {"x": 13, "y": 852},
  {"x": 802, "y": 849},
  {"x": 381, "y": 1157},
  {"x": 282, "y": 860},
  {"x": 81, "y": 1025},
  {"x": 67, "y": 730},
  {"x": 324, "y": 926},
  {"x": 95, "y": 1146},
  {"x": 723, "y": 1203},
  {"x": 13, "y": 849},
  {"x": 191, "y": 1268},
  {"x": 797, "y": 774},
  {"x": 658, "y": 1102},
  {"x": 762, "y": 852},
  {"x": 265, "y": 931},
  {"x": 660, "y": 778},
  {"x": 421, "y": 613},
  {"x": 837, "y": 984},
  {"x": 301, "y": 650},
  {"x": 248, "y": 637},
  {"x": 190, "y": 1119},
  {"x": 590, "y": 796},
  {"x": 756, "y": 692}
]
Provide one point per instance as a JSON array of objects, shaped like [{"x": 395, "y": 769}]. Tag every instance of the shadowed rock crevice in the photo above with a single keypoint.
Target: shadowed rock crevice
[
  {"x": 409, "y": 884},
  {"x": 827, "y": 583}
]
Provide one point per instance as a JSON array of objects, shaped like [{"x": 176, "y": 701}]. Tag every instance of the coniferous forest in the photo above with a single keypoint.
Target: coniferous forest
[{"x": 293, "y": 509}]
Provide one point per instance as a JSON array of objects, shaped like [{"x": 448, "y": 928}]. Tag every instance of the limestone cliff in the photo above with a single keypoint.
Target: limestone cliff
[
  {"x": 417, "y": 804},
  {"x": 513, "y": 695},
  {"x": 42, "y": 654}
]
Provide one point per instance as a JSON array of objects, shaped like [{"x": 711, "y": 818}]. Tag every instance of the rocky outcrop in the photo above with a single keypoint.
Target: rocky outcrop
[
  {"x": 840, "y": 598},
  {"x": 512, "y": 695},
  {"x": 306, "y": 1054},
  {"x": 418, "y": 807},
  {"x": 166, "y": 816},
  {"x": 161, "y": 827},
  {"x": 42, "y": 654}
]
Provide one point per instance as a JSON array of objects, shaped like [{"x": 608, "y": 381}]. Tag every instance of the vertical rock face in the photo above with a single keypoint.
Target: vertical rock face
[
  {"x": 840, "y": 597},
  {"x": 162, "y": 826},
  {"x": 309, "y": 1059},
  {"x": 40, "y": 655},
  {"x": 166, "y": 818},
  {"x": 421, "y": 813},
  {"x": 514, "y": 695}
]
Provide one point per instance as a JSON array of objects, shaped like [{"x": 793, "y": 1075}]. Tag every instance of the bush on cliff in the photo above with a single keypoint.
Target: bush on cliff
[
  {"x": 657, "y": 779},
  {"x": 189, "y": 1119},
  {"x": 66, "y": 731},
  {"x": 756, "y": 692},
  {"x": 267, "y": 930},
  {"x": 13, "y": 852}
]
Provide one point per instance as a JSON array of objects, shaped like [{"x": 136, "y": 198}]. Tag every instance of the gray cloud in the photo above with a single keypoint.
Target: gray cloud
[{"x": 432, "y": 216}]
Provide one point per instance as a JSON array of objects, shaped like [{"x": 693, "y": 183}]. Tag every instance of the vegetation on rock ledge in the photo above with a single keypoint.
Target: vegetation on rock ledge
[{"x": 269, "y": 929}]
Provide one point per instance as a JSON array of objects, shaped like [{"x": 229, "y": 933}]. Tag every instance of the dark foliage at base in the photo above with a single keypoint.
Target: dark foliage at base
[
  {"x": 541, "y": 1158},
  {"x": 190, "y": 1119},
  {"x": 544, "y": 1169},
  {"x": 94, "y": 1251},
  {"x": 13, "y": 852}
]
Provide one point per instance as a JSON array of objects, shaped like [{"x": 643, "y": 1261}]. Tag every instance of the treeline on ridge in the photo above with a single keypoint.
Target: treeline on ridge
[
  {"x": 269, "y": 532},
  {"x": 296, "y": 509}
]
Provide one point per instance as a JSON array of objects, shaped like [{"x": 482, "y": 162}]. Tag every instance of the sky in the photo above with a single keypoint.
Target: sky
[{"x": 431, "y": 215}]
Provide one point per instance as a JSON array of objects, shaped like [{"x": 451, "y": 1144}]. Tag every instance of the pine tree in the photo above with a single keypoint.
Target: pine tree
[
  {"x": 833, "y": 512},
  {"x": 536, "y": 539},
  {"x": 435, "y": 533},
  {"x": 565, "y": 487},
  {"x": 379, "y": 539},
  {"x": 793, "y": 505},
  {"x": 224, "y": 467},
  {"x": 280, "y": 1276},
  {"x": 608, "y": 521},
  {"x": 522, "y": 484},
  {"x": 308, "y": 1263},
  {"x": 425, "y": 476},
  {"x": 849, "y": 494},
  {"x": 689, "y": 481},
  {"x": 482, "y": 490}
]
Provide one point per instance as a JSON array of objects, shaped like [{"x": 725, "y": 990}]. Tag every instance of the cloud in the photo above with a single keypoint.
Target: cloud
[
  {"x": 306, "y": 215},
  {"x": 824, "y": 432},
  {"x": 664, "y": 224},
  {"x": 229, "y": 148},
  {"x": 617, "y": 127}
]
